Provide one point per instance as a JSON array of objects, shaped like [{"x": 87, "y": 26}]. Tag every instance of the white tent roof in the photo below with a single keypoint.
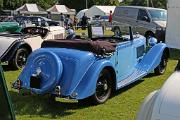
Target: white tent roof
[
  {"x": 57, "y": 9},
  {"x": 99, "y": 10},
  {"x": 120, "y": 0},
  {"x": 30, "y": 9},
  {"x": 81, "y": 13}
]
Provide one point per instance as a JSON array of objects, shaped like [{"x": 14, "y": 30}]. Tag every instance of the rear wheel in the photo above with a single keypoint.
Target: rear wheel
[
  {"x": 103, "y": 89},
  {"x": 20, "y": 58}
]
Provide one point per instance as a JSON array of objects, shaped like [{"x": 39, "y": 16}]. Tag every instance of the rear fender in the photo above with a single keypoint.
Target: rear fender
[
  {"x": 87, "y": 86},
  {"x": 153, "y": 57}
]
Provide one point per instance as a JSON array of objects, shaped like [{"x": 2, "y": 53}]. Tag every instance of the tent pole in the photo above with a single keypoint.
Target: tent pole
[
  {"x": 86, "y": 4},
  {"x": 147, "y": 3}
]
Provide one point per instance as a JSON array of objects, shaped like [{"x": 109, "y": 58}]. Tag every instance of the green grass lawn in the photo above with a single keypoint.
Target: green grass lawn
[{"x": 123, "y": 105}]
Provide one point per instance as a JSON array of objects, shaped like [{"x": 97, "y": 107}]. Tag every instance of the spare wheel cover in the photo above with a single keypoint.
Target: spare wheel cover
[{"x": 50, "y": 67}]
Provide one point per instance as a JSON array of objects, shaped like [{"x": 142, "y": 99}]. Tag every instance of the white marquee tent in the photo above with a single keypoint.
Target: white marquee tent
[
  {"x": 58, "y": 9},
  {"x": 99, "y": 10},
  {"x": 30, "y": 9}
]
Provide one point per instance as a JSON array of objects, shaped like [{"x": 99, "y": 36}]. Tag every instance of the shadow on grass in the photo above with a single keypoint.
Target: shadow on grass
[
  {"x": 42, "y": 106},
  {"x": 150, "y": 75},
  {"x": 174, "y": 54},
  {"x": 124, "y": 89},
  {"x": 8, "y": 68}
]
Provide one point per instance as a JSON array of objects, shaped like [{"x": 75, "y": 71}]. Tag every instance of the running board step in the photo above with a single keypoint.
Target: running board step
[{"x": 137, "y": 74}]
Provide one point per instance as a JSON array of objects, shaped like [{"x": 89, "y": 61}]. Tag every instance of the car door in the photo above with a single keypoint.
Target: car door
[
  {"x": 34, "y": 41},
  {"x": 143, "y": 22},
  {"x": 126, "y": 60},
  {"x": 129, "y": 55}
]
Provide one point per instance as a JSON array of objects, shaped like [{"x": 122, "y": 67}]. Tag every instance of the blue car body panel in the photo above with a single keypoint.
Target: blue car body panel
[
  {"x": 152, "y": 59},
  {"x": 77, "y": 72},
  {"x": 46, "y": 62}
]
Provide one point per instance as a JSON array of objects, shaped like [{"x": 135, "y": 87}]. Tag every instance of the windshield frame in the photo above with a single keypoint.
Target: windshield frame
[{"x": 156, "y": 12}]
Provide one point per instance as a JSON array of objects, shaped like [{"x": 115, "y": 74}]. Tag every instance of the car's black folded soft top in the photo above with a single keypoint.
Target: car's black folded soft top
[{"x": 98, "y": 47}]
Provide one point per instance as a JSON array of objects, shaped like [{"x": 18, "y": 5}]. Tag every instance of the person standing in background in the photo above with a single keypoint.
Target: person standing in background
[
  {"x": 110, "y": 17},
  {"x": 75, "y": 22},
  {"x": 84, "y": 22},
  {"x": 69, "y": 21},
  {"x": 62, "y": 19},
  {"x": 49, "y": 15}
]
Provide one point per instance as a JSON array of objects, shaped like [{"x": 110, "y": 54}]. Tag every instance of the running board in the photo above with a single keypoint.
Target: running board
[{"x": 137, "y": 74}]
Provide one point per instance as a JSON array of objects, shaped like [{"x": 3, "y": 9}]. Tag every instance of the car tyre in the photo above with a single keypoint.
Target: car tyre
[
  {"x": 19, "y": 59},
  {"x": 103, "y": 88},
  {"x": 161, "y": 68},
  {"x": 52, "y": 98}
]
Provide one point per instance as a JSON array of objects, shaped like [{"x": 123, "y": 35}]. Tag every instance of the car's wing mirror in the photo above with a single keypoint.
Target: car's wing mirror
[{"x": 145, "y": 18}]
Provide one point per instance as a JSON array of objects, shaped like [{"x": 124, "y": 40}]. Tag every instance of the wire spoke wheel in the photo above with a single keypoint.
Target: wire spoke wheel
[
  {"x": 20, "y": 58},
  {"x": 103, "y": 90},
  {"x": 161, "y": 68},
  {"x": 162, "y": 65},
  {"x": 103, "y": 87}
]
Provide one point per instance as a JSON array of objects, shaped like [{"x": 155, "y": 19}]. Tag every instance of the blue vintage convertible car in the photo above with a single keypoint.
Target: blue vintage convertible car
[{"x": 90, "y": 69}]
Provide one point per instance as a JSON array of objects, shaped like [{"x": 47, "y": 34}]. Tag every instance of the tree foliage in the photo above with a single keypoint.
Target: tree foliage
[
  {"x": 13, "y": 4},
  {"x": 150, "y": 3},
  {"x": 79, "y": 4}
]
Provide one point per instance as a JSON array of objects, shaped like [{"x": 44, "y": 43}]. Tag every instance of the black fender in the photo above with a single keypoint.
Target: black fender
[
  {"x": 167, "y": 52},
  {"x": 11, "y": 51}
]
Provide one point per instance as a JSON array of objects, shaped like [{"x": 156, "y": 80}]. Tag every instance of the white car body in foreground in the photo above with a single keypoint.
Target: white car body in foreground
[
  {"x": 27, "y": 42},
  {"x": 163, "y": 104}
]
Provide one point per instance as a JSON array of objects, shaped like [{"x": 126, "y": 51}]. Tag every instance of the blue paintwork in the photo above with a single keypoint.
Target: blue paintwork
[
  {"x": 77, "y": 71},
  {"x": 45, "y": 62},
  {"x": 152, "y": 59}
]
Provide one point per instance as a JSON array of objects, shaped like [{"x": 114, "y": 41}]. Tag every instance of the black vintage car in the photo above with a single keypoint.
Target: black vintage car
[{"x": 36, "y": 20}]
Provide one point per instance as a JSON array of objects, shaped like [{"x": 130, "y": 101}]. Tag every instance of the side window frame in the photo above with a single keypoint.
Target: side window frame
[{"x": 141, "y": 16}]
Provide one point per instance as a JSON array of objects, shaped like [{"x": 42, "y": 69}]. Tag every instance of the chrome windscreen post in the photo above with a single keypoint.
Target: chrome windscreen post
[{"x": 131, "y": 33}]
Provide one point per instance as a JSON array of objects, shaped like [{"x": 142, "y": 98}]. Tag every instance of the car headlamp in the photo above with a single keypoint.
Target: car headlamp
[{"x": 152, "y": 41}]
